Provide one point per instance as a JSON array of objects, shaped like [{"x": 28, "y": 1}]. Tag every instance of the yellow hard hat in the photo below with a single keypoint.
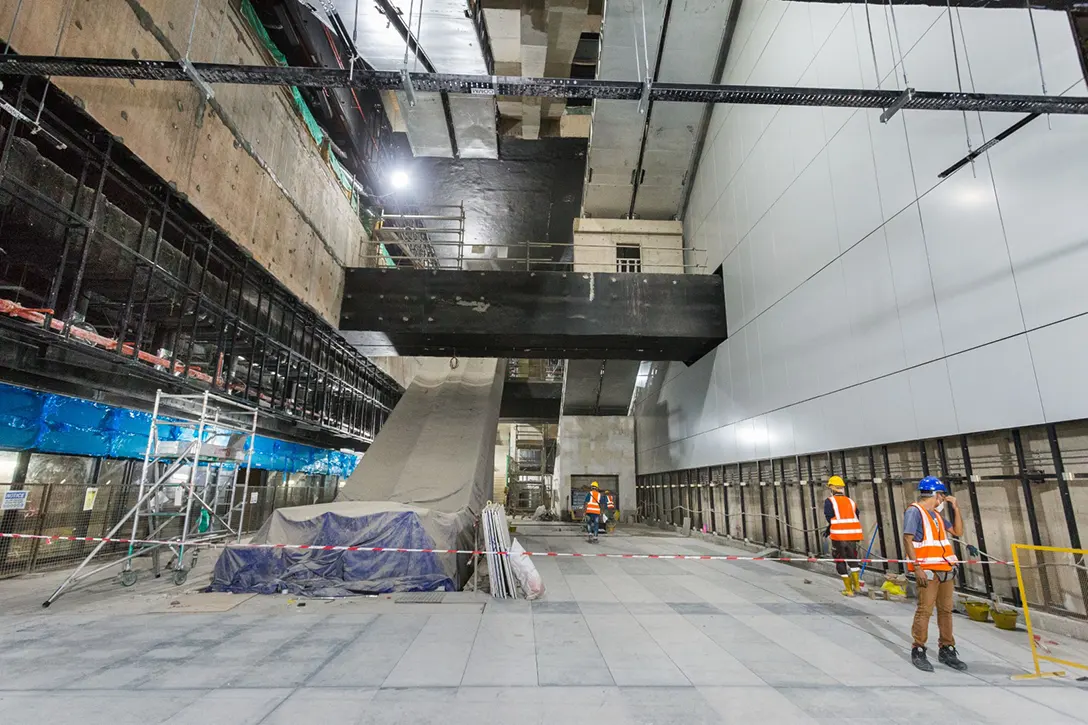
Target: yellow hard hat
[
  {"x": 594, "y": 485},
  {"x": 836, "y": 482}
]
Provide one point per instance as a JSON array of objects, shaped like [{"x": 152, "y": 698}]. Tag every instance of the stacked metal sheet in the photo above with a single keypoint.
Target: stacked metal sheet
[{"x": 497, "y": 544}]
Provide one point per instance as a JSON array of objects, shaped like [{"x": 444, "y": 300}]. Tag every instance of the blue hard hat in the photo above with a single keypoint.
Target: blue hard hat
[{"x": 931, "y": 484}]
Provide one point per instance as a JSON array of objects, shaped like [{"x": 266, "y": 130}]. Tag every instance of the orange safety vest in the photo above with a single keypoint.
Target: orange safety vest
[
  {"x": 934, "y": 551},
  {"x": 611, "y": 502},
  {"x": 845, "y": 525},
  {"x": 593, "y": 506}
]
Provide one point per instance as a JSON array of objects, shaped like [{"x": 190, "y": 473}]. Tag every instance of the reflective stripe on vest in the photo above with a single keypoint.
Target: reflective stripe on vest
[
  {"x": 934, "y": 551},
  {"x": 593, "y": 506},
  {"x": 611, "y": 502},
  {"x": 845, "y": 525}
]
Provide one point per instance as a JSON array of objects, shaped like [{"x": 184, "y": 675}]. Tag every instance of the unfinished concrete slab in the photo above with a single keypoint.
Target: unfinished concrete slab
[{"x": 614, "y": 641}]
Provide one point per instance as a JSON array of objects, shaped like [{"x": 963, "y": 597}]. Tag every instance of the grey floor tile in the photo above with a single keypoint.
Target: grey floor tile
[
  {"x": 368, "y": 660},
  {"x": 632, "y": 655},
  {"x": 231, "y": 707},
  {"x": 504, "y": 652},
  {"x": 701, "y": 659},
  {"x": 744, "y": 705},
  {"x": 439, "y": 654},
  {"x": 99, "y": 708},
  {"x": 995, "y": 704},
  {"x": 328, "y": 706},
  {"x": 567, "y": 653}
]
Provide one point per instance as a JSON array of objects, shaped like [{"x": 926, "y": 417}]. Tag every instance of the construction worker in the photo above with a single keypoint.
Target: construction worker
[
  {"x": 844, "y": 530},
  {"x": 926, "y": 525},
  {"x": 610, "y": 505},
  {"x": 593, "y": 510}
]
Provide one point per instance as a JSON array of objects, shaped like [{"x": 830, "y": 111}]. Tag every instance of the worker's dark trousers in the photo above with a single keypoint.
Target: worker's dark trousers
[
  {"x": 594, "y": 523},
  {"x": 845, "y": 550},
  {"x": 938, "y": 593}
]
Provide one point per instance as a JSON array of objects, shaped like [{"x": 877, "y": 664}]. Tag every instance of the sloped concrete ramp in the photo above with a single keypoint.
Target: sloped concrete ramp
[{"x": 421, "y": 485}]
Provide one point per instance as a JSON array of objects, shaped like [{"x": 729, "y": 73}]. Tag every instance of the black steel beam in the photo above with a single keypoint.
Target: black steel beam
[
  {"x": 533, "y": 314},
  {"x": 122, "y": 68}
]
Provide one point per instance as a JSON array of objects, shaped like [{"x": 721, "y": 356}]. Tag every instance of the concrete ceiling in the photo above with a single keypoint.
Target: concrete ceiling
[
  {"x": 448, "y": 39},
  {"x": 599, "y": 387},
  {"x": 620, "y": 135}
]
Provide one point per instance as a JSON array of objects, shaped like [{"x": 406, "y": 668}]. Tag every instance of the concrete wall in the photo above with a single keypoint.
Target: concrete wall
[
  {"x": 247, "y": 161},
  {"x": 661, "y": 243},
  {"x": 868, "y": 300},
  {"x": 602, "y": 445}
]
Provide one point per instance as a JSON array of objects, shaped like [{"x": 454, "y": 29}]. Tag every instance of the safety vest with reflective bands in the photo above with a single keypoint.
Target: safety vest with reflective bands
[
  {"x": 934, "y": 551},
  {"x": 845, "y": 525},
  {"x": 610, "y": 502},
  {"x": 593, "y": 505}
]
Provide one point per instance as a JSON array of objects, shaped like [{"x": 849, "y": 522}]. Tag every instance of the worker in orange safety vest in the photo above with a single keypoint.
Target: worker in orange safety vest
[
  {"x": 927, "y": 524},
  {"x": 844, "y": 530},
  {"x": 610, "y": 504},
  {"x": 593, "y": 510}
]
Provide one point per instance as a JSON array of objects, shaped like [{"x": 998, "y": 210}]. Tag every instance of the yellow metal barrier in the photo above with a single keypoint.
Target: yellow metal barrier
[{"x": 1035, "y": 656}]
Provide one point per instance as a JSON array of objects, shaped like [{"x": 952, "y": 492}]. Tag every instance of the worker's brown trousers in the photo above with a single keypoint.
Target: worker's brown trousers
[{"x": 939, "y": 593}]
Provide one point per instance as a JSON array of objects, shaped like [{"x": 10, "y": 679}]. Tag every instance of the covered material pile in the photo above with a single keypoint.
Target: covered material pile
[{"x": 421, "y": 485}]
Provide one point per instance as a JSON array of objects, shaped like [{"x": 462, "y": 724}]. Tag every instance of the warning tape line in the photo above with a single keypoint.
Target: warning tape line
[{"x": 481, "y": 552}]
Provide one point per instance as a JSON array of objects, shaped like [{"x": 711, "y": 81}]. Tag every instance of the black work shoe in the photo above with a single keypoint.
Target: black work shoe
[
  {"x": 918, "y": 659},
  {"x": 947, "y": 655}
]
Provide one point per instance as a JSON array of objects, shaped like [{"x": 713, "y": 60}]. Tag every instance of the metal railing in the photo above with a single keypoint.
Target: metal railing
[
  {"x": 433, "y": 237},
  {"x": 1011, "y": 486},
  {"x": 535, "y": 370}
]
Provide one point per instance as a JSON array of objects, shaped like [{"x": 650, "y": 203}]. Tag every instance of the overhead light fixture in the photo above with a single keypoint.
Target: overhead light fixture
[{"x": 399, "y": 179}]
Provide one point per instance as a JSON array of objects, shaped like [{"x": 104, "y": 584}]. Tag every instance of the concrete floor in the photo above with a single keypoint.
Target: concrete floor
[{"x": 614, "y": 641}]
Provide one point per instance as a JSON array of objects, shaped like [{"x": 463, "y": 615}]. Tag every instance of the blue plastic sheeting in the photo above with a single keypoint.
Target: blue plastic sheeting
[
  {"x": 338, "y": 573},
  {"x": 47, "y": 423}
]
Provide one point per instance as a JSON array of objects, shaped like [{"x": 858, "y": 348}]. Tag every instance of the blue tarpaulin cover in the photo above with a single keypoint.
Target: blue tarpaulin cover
[
  {"x": 31, "y": 420},
  {"x": 339, "y": 573}
]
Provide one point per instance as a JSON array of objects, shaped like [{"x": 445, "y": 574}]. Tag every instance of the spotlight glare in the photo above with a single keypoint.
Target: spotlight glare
[{"x": 399, "y": 179}]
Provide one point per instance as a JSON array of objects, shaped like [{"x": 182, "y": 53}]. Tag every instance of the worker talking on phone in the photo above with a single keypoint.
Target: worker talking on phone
[{"x": 926, "y": 525}]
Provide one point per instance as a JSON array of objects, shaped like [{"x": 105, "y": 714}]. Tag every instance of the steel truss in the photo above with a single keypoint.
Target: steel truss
[
  {"x": 194, "y": 485},
  {"x": 103, "y": 260},
  {"x": 122, "y": 68}
]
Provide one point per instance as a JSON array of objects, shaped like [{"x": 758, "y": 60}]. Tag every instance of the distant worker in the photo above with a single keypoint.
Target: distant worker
[
  {"x": 593, "y": 510},
  {"x": 613, "y": 512},
  {"x": 926, "y": 525},
  {"x": 844, "y": 530}
]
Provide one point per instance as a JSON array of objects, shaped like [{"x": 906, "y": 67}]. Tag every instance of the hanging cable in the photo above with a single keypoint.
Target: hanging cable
[
  {"x": 56, "y": 51},
  {"x": 959, "y": 83},
  {"x": 899, "y": 44},
  {"x": 419, "y": 32},
  {"x": 354, "y": 45},
  {"x": 14, "y": 22},
  {"x": 872, "y": 44},
  {"x": 1038, "y": 53}
]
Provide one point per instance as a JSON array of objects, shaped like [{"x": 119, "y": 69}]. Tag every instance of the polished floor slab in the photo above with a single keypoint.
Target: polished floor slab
[{"x": 614, "y": 641}]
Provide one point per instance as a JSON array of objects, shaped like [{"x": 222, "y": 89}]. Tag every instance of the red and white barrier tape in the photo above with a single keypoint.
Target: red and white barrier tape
[{"x": 571, "y": 554}]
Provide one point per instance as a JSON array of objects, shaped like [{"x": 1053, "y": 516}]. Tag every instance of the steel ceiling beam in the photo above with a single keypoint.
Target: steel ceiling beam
[{"x": 125, "y": 69}]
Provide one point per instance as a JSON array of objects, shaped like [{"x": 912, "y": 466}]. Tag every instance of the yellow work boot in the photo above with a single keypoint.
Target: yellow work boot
[
  {"x": 847, "y": 586},
  {"x": 855, "y": 581}
]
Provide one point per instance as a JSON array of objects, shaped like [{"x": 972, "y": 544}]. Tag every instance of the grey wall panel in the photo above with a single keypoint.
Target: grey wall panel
[{"x": 869, "y": 301}]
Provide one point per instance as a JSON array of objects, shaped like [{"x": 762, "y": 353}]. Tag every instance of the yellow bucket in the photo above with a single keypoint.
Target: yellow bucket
[
  {"x": 978, "y": 611},
  {"x": 1005, "y": 618}
]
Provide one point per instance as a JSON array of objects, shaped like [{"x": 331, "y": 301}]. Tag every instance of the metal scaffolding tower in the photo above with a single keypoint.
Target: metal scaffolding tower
[{"x": 194, "y": 485}]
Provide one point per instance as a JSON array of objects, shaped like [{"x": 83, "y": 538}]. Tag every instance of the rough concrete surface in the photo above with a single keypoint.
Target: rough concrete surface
[
  {"x": 245, "y": 160},
  {"x": 599, "y": 445},
  {"x": 613, "y": 641}
]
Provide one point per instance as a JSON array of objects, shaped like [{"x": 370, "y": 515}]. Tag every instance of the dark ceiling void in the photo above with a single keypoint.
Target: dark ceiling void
[
  {"x": 213, "y": 73},
  {"x": 531, "y": 193},
  {"x": 354, "y": 118},
  {"x": 613, "y": 316}
]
